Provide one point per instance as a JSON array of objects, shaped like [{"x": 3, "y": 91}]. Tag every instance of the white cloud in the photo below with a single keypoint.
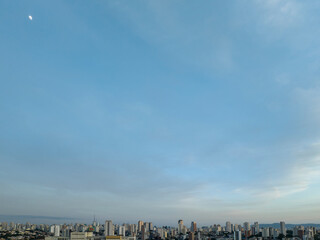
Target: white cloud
[
  {"x": 280, "y": 13},
  {"x": 286, "y": 176}
]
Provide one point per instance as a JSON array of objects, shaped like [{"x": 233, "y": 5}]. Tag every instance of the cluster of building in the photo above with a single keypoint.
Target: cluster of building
[
  {"x": 146, "y": 230},
  {"x": 21, "y": 231},
  {"x": 255, "y": 232}
]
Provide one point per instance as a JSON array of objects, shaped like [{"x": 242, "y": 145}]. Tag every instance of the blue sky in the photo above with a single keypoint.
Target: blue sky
[{"x": 160, "y": 110}]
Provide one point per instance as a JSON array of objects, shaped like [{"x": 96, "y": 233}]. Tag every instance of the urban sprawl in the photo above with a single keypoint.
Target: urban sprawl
[{"x": 146, "y": 231}]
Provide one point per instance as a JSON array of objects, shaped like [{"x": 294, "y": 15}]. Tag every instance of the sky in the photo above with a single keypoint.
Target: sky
[{"x": 205, "y": 111}]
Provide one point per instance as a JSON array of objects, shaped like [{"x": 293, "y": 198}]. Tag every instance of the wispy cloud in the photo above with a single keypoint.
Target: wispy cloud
[
  {"x": 202, "y": 46},
  {"x": 280, "y": 13}
]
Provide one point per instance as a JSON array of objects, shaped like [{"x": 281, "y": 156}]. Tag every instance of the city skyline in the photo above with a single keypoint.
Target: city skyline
[
  {"x": 102, "y": 220},
  {"x": 146, "y": 230},
  {"x": 139, "y": 224},
  {"x": 160, "y": 110}
]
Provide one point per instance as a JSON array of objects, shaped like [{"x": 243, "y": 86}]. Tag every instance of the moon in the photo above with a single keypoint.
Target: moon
[{"x": 30, "y": 17}]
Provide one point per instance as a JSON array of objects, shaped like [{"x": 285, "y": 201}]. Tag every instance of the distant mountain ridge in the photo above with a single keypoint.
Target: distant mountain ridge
[{"x": 289, "y": 225}]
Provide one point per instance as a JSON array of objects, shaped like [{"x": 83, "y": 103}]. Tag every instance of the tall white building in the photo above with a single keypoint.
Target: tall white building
[
  {"x": 56, "y": 230},
  {"x": 265, "y": 232},
  {"x": 122, "y": 231},
  {"x": 108, "y": 228},
  {"x": 228, "y": 227},
  {"x": 283, "y": 228}
]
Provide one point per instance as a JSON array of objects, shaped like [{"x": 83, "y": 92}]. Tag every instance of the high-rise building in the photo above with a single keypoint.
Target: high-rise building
[
  {"x": 236, "y": 227},
  {"x": 256, "y": 228},
  {"x": 265, "y": 232},
  {"x": 140, "y": 223},
  {"x": 108, "y": 228},
  {"x": 246, "y": 226},
  {"x": 148, "y": 226},
  {"x": 180, "y": 226},
  {"x": 237, "y": 235},
  {"x": 65, "y": 233},
  {"x": 253, "y": 230},
  {"x": 143, "y": 233},
  {"x": 133, "y": 229},
  {"x": 56, "y": 230},
  {"x": 193, "y": 227},
  {"x": 162, "y": 233},
  {"x": 271, "y": 231},
  {"x": 122, "y": 231},
  {"x": 184, "y": 230},
  {"x": 191, "y": 236},
  {"x": 228, "y": 227},
  {"x": 283, "y": 228}
]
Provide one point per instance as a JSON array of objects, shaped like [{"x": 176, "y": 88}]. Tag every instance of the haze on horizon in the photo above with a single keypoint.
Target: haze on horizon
[{"x": 160, "y": 110}]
